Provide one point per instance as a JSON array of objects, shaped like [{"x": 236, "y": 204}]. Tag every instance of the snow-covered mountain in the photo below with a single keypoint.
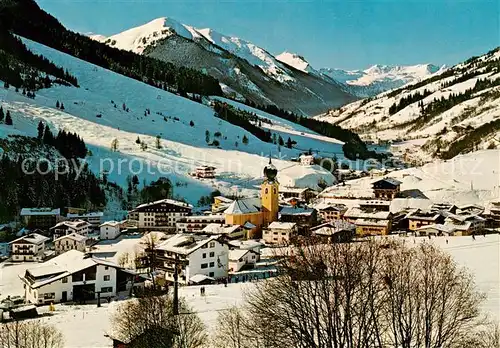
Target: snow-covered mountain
[
  {"x": 365, "y": 83},
  {"x": 245, "y": 70},
  {"x": 380, "y": 78},
  {"x": 452, "y": 111}
]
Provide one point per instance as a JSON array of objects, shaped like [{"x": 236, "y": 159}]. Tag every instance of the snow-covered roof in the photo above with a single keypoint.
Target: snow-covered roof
[
  {"x": 277, "y": 225},
  {"x": 235, "y": 255},
  {"x": 167, "y": 201},
  {"x": 244, "y": 206},
  {"x": 391, "y": 181},
  {"x": 245, "y": 244},
  {"x": 330, "y": 206},
  {"x": 72, "y": 224},
  {"x": 198, "y": 278},
  {"x": 357, "y": 213},
  {"x": 305, "y": 176},
  {"x": 86, "y": 215},
  {"x": 330, "y": 228},
  {"x": 438, "y": 227},
  {"x": 419, "y": 214},
  {"x": 220, "y": 229},
  {"x": 64, "y": 265},
  {"x": 223, "y": 199},
  {"x": 111, "y": 224},
  {"x": 371, "y": 222},
  {"x": 74, "y": 236},
  {"x": 40, "y": 211},
  {"x": 33, "y": 238},
  {"x": 185, "y": 244},
  {"x": 296, "y": 211},
  {"x": 400, "y": 204}
]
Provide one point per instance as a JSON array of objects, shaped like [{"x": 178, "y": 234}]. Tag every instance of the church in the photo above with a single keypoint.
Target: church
[{"x": 254, "y": 213}]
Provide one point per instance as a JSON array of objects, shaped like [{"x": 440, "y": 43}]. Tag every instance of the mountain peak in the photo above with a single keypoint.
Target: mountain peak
[{"x": 295, "y": 60}]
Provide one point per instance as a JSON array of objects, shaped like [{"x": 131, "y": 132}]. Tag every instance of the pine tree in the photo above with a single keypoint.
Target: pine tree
[
  {"x": 114, "y": 145},
  {"x": 289, "y": 143},
  {"x": 8, "y": 119},
  {"x": 280, "y": 141},
  {"x": 245, "y": 140},
  {"x": 207, "y": 136},
  {"x": 1, "y": 114},
  {"x": 57, "y": 104},
  {"x": 158, "y": 142},
  {"x": 191, "y": 123},
  {"x": 48, "y": 138},
  {"x": 41, "y": 129},
  {"x": 144, "y": 146},
  {"x": 138, "y": 140},
  {"x": 62, "y": 106}
]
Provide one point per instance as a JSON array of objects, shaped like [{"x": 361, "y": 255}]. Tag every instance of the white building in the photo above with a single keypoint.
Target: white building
[
  {"x": 279, "y": 232},
  {"x": 306, "y": 160},
  {"x": 110, "y": 229},
  {"x": 196, "y": 255},
  {"x": 162, "y": 214},
  {"x": 29, "y": 248},
  {"x": 73, "y": 276},
  {"x": 240, "y": 258},
  {"x": 67, "y": 227},
  {"x": 94, "y": 218},
  {"x": 194, "y": 223},
  {"x": 72, "y": 241}
]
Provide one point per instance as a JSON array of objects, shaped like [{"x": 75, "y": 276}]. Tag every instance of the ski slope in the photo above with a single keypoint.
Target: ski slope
[{"x": 183, "y": 147}]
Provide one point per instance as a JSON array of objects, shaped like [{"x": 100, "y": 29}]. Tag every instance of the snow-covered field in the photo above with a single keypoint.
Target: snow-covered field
[
  {"x": 183, "y": 147},
  {"x": 85, "y": 326}
]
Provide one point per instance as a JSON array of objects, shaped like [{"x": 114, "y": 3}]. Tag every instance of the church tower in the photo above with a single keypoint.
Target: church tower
[{"x": 269, "y": 193}]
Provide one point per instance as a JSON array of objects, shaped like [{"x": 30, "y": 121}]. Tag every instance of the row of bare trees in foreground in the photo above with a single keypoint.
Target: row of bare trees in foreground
[{"x": 358, "y": 295}]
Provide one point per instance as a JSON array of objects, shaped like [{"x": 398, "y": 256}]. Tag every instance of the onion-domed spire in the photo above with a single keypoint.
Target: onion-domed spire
[{"x": 270, "y": 171}]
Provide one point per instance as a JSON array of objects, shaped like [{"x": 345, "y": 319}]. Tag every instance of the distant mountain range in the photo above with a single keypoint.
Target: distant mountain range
[{"x": 247, "y": 71}]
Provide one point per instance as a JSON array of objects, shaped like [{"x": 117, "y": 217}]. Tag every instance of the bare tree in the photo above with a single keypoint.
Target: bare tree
[
  {"x": 153, "y": 316},
  {"x": 30, "y": 334},
  {"x": 235, "y": 330},
  {"x": 370, "y": 294}
]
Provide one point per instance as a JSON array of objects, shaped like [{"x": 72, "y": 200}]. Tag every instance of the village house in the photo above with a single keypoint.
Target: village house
[
  {"x": 40, "y": 218},
  {"x": 280, "y": 233},
  {"x": 29, "y": 248},
  {"x": 228, "y": 231},
  {"x": 205, "y": 172},
  {"x": 444, "y": 208},
  {"x": 465, "y": 225},
  {"x": 371, "y": 222},
  {"x": 418, "y": 218},
  {"x": 304, "y": 217},
  {"x": 492, "y": 214},
  {"x": 162, "y": 214},
  {"x": 72, "y": 241},
  {"x": 93, "y": 218},
  {"x": 306, "y": 160},
  {"x": 74, "y": 276},
  {"x": 67, "y": 227},
  {"x": 386, "y": 188},
  {"x": 330, "y": 212},
  {"x": 195, "y": 255},
  {"x": 250, "y": 244},
  {"x": 110, "y": 229},
  {"x": 335, "y": 231},
  {"x": 470, "y": 209},
  {"x": 195, "y": 223},
  {"x": 301, "y": 194},
  {"x": 242, "y": 258},
  {"x": 375, "y": 205}
]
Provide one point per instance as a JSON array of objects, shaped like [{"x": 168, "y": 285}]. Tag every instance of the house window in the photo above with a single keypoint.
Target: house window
[
  {"x": 107, "y": 278},
  {"x": 49, "y": 296},
  {"x": 204, "y": 255},
  {"x": 107, "y": 289},
  {"x": 204, "y": 265},
  {"x": 106, "y": 268},
  {"x": 212, "y": 254},
  {"x": 65, "y": 280},
  {"x": 211, "y": 274},
  {"x": 212, "y": 244},
  {"x": 212, "y": 264}
]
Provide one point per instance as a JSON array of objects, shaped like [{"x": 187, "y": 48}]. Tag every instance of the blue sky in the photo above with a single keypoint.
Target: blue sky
[{"x": 339, "y": 34}]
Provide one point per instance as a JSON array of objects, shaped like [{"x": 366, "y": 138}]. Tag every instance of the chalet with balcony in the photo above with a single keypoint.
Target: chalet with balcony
[
  {"x": 67, "y": 227},
  {"x": 73, "y": 276},
  {"x": 280, "y": 233},
  {"x": 193, "y": 255},
  {"x": 386, "y": 188},
  {"x": 160, "y": 215},
  {"x": 72, "y": 241},
  {"x": 418, "y": 218},
  {"x": 196, "y": 223},
  {"x": 330, "y": 212},
  {"x": 29, "y": 248}
]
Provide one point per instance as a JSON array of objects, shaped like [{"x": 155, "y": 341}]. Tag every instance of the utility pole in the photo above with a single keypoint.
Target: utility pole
[{"x": 176, "y": 285}]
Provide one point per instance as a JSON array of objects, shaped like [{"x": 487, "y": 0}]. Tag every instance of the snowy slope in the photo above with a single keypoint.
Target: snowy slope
[
  {"x": 184, "y": 147},
  {"x": 372, "y": 118},
  {"x": 296, "y": 61}
]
